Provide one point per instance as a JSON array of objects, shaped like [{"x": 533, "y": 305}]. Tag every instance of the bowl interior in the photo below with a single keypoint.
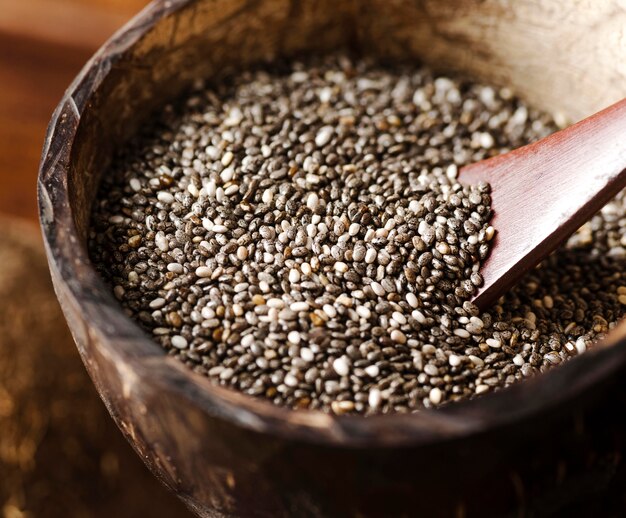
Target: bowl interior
[
  {"x": 568, "y": 69},
  {"x": 561, "y": 61}
]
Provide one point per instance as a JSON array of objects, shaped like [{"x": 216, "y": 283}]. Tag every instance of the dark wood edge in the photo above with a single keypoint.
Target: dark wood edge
[{"x": 128, "y": 345}]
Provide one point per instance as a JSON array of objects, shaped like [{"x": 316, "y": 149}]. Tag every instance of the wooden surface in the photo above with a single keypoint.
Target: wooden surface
[
  {"x": 43, "y": 45},
  {"x": 61, "y": 455},
  {"x": 542, "y": 193}
]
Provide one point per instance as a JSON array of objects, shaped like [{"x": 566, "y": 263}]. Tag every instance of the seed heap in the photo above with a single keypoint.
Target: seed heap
[{"x": 298, "y": 233}]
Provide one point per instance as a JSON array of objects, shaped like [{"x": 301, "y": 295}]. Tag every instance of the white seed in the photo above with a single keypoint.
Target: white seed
[
  {"x": 329, "y": 310},
  {"x": 227, "y": 158},
  {"x": 399, "y": 317},
  {"x": 493, "y": 343},
  {"x": 415, "y": 206},
  {"x": 193, "y": 190},
  {"x": 227, "y": 373},
  {"x": 312, "y": 201},
  {"x": 344, "y": 300},
  {"x": 307, "y": 354},
  {"x": 435, "y": 395},
  {"x": 372, "y": 371},
  {"x": 207, "y": 313},
  {"x": 342, "y": 407},
  {"x": 424, "y": 228},
  {"x": 165, "y": 197},
  {"x": 323, "y": 136},
  {"x": 235, "y": 116},
  {"x": 481, "y": 389},
  {"x": 157, "y": 303},
  {"x": 230, "y": 190},
  {"x": 419, "y": 316},
  {"x": 443, "y": 248},
  {"x": 242, "y": 253},
  {"x": 207, "y": 224},
  {"x": 267, "y": 197},
  {"x": 478, "y": 362},
  {"x": 291, "y": 380},
  {"x": 354, "y": 228},
  {"x": 461, "y": 333},
  {"x": 294, "y": 337},
  {"x": 179, "y": 342},
  {"x": 299, "y": 306},
  {"x": 374, "y": 398},
  {"x": 175, "y": 268},
  {"x": 377, "y": 289},
  {"x": 161, "y": 242},
  {"x": 227, "y": 175},
  {"x": 370, "y": 255},
  {"x": 325, "y": 94},
  {"x": 247, "y": 340},
  {"x": 341, "y": 367},
  {"x": 363, "y": 312},
  {"x": 412, "y": 300},
  {"x": 454, "y": 360},
  {"x": 203, "y": 272},
  {"x": 294, "y": 276},
  {"x": 518, "y": 360},
  {"x": 486, "y": 140},
  {"x": 341, "y": 267}
]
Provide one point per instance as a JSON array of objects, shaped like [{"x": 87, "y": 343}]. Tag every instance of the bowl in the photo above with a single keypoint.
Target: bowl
[{"x": 548, "y": 444}]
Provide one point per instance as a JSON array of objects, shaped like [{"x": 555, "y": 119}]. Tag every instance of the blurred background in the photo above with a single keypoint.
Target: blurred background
[{"x": 60, "y": 453}]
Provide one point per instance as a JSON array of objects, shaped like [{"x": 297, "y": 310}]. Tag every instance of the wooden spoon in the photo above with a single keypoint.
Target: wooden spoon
[{"x": 542, "y": 193}]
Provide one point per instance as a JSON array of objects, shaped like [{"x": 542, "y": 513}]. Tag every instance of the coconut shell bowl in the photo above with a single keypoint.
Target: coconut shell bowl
[{"x": 553, "y": 443}]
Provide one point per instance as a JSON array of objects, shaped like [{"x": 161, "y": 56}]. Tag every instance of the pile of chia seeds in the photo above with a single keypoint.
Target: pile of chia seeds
[{"x": 298, "y": 233}]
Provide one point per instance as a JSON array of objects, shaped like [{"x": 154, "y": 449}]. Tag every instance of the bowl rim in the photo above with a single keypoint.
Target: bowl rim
[{"x": 80, "y": 289}]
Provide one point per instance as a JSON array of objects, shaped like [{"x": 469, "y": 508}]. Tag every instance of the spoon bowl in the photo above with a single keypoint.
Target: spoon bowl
[{"x": 543, "y": 192}]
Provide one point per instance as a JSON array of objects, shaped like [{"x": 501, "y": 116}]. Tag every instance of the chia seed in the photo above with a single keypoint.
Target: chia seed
[{"x": 298, "y": 233}]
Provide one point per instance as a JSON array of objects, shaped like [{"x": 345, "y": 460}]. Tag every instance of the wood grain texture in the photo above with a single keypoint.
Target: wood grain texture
[
  {"x": 530, "y": 45},
  {"x": 43, "y": 45},
  {"x": 83, "y": 24},
  {"x": 542, "y": 193},
  {"x": 226, "y": 454},
  {"x": 60, "y": 454}
]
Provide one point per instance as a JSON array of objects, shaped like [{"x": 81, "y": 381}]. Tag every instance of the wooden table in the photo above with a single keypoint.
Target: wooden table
[
  {"x": 43, "y": 45},
  {"x": 61, "y": 455}
]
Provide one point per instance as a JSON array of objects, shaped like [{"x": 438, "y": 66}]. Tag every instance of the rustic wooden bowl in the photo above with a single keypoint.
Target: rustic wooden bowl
[{"x": 551, "y": 443}]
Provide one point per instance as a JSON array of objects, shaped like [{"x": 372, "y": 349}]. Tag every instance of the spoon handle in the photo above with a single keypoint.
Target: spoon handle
[{"x": 542, "y": 193}]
